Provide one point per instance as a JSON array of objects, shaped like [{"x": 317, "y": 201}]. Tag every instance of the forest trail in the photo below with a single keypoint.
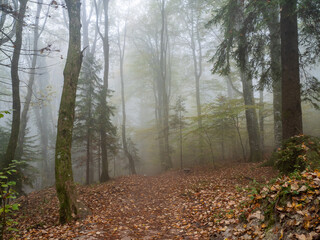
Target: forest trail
[{"x": 173, "y": 205}]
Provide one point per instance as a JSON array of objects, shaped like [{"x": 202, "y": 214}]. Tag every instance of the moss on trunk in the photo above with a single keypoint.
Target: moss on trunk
[{"x": 63, "y": 165}]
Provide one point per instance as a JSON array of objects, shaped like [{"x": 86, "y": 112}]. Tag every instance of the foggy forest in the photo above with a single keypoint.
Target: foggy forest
[{"x": 160, "y": 119}]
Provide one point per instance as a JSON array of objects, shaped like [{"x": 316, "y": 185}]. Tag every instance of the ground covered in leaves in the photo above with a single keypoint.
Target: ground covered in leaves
[{"x": 200, "y": 204}]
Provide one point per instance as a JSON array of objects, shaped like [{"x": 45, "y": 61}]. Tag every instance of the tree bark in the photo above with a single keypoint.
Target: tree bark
[
  {"x": 291, "y": 99},
  {"x": 104, "y": 115},
  {"x": 16, "y": 105},
  {"x": 45, "y": 131},
  {"x": 261, "y": 119},
  {"x": 197, "y": 64},
  {"x": 87, "y": 54},
  {"x": 246, "y": 79},
  {"x": 271, "y": 16},
  {"x": 63, "y": 166},
  {"x": 166, "y": 161},
  {"x": 24, "y": 114},
  {"x": 124, "y": 137}
]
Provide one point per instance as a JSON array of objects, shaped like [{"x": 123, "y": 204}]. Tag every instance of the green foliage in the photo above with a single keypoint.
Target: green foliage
[
  {"x": 26, "y": 171},
  {"x": 177, "y": 119},
  {"x": 87, "y": 98},
  {"x": 7, "y": 194},
  {"x": 297, "y": 154},
  {"x": 309, "y": 14},
  {"x": 89, "y": 107},
  {"x": 4, "y": 136},
  {"x": 3, "y": 112}
]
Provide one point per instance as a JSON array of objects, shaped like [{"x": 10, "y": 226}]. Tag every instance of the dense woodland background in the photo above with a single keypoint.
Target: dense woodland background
[{"x": 163, "y": 84}]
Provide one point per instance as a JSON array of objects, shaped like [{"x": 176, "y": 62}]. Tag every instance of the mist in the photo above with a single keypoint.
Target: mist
[{"x": 150, "y": 87}]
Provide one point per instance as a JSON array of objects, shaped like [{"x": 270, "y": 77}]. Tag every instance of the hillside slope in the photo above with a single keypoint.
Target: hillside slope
[{"x": 201, "y": 204}]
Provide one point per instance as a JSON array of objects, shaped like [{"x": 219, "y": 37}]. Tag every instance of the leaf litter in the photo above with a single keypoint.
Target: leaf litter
[{"x": 201, "y": 204}]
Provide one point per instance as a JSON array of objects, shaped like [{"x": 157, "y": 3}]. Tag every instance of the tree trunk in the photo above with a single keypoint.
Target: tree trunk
[
  {"x": 261, "y": 119},
  {"x": 166, "y": 161},
  {"x": 45, "y": 131},
  {"x": 85, "y": 28},
  {"x": 246, "y": 79},
  {"x": 272, "y": 18},
  {"x": 104, "y": 115},
  {"x": 251, "y": 118},
  {"x": 89, "y": 124},
  {"x": 16, "y": 105},
  {"x": 24, "y": 117},
  {"x": 124, "y": 137},
  {"x": 291, "y": 99},
  {"x": 180, "y": 138},
  {"x": 197, "y": 66},
  {"x": 63, "y": 166}
]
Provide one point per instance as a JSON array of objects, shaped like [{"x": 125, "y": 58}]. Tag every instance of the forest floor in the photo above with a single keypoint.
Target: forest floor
[{"x": 200, "y": 204}]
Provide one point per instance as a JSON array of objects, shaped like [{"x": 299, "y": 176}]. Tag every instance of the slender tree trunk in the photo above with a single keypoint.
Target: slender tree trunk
[
  {"x": 124, "y": 137},
  {"x": 261, "y": 119},
  {"x": 236, "y": 124},
  {"x": 45, "y": 132},
  {"x": 16, "y": 105},
  {"x": 197, "y": 66},
  {"x": 291, "y": 99},
  {"x": 180, "y": 135},
  {"x": 89, "y": 124},
  {"x": 85, "y": 28},
  {"x": 251, "y": 115},
  {"x": 272, "y": 18},
  {"x": 89, "y": 160},
  {"x": 104, "y": 115},
  {"x": 44, "y": 147},
  {"x": 24, "y": 117},
  {"x": 166, "y": 161},
  {"x": 251, "y": 118},
  {"x": 229, "y": 88},
  {"x": 63, "y": 166}
]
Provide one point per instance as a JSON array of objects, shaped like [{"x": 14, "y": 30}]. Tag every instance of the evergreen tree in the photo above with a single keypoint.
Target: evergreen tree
[
  {"x": 177, "y": 122},
  {"x": 87, "y": 102},
  {"x": 236, "y": 26}
]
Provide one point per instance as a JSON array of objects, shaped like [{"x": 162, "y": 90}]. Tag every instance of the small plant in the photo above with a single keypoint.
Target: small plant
[
  {"x": 297, "y": 154},
  {"x": 3, "y": 112},
  {"x": 7, "y": 194}
]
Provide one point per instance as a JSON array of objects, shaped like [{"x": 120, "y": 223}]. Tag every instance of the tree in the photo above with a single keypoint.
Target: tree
[
  {"x": 291, "y": 99},
  {"x": 46, "y": 127},
  {"x": 104, "y": 116},
  {"x": 122, "y": 48},
  {"x": 6, "y": 9},
  {"x": 177, "y": 122},
  {"x": 16, "y": 105},
  {"x": 163, "y": 87},
  {"x": 270, "y": 13},
  {"x": 194, "y": 26},
  {"x": 63, "y": 168},
  {"x": 86, "y": 114},
  {"x": 236, "y": 26},
  {"x": 24, "y": 117}
]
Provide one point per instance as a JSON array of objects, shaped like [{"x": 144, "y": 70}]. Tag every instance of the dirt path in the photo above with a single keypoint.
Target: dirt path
[{"x": 174, "y": 205}]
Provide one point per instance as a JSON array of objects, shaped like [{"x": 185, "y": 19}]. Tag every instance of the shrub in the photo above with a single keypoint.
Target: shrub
[
  {"x": 297, "y": 154},
  {"x": 7, "y": 194}
]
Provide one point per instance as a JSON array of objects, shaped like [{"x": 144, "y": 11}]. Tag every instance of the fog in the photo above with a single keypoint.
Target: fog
[{"x": 180, "y": 112}]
